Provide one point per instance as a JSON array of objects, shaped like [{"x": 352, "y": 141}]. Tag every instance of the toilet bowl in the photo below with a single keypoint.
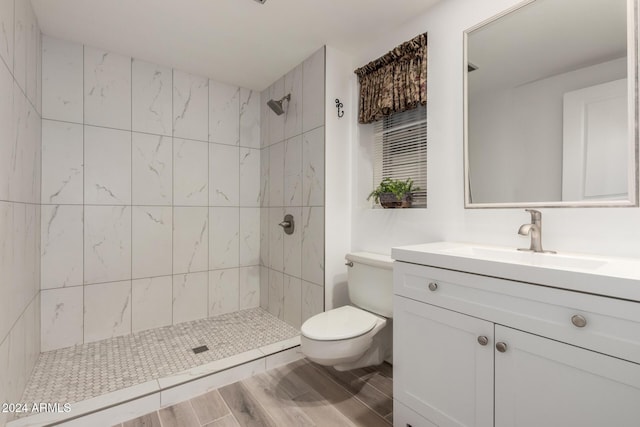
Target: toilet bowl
[{"x": 360, "y": 334}]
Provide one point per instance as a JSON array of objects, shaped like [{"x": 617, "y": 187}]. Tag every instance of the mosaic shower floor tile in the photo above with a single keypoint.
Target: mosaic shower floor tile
[{"x": 78, "y": 373}]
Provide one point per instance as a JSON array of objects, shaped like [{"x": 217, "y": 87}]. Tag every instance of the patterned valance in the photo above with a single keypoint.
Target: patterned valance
[{"x": 394, "y": 82}]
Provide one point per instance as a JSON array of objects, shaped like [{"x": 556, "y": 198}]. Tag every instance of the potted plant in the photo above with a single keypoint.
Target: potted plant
[{"x": 394, "y": 193}]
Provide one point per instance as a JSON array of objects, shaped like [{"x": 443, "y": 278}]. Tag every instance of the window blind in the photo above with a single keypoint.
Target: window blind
[{"x": 400, "y": 150}]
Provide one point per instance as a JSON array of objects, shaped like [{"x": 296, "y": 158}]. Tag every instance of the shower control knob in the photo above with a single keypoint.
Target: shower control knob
[
  {"x": 501, "y": 347},
  {"x": 433, "y": 286},
  {"x": 288, "y": 225},
  {"x": 482, "y": 340},
  {"x": 578, "y": 321}
]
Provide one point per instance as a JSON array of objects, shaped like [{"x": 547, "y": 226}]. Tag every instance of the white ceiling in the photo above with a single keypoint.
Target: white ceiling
[{"x": 238, "y": 42}]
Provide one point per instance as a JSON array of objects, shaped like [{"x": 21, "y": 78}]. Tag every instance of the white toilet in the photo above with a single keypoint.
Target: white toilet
[{"x": 355, "y": 335}]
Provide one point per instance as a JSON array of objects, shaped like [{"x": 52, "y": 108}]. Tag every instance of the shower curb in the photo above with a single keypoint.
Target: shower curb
[{"x": 131, "y": 402}]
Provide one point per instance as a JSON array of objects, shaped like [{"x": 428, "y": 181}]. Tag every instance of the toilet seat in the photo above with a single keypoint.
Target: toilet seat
[{"x": 339, "y": 324}]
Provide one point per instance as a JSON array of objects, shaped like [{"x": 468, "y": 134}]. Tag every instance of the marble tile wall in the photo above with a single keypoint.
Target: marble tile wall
[
  {"x": 292, "y": 182},
  {"x": 150, "y": 195},
  {"x": 20, "y": 210}
]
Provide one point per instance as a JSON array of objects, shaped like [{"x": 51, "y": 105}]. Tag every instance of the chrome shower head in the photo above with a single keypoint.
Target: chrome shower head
[{"x": 276, "y": 106}]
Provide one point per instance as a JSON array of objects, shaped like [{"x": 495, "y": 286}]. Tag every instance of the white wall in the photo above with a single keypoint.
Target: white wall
[
  {"x": 20, "y": 151},
  {"x": 614, "y": 231},
  {"x": 339, "y": 157},
  {"x": 151, "y": 196},
  {"x": 525, "y": 123}
]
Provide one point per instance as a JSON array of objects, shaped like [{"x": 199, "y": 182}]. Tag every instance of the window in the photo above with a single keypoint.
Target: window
[{"x": 400, "y": 150}]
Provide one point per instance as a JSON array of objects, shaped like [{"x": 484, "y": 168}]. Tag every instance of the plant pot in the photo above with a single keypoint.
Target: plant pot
[{"x": 389, "y": 200}]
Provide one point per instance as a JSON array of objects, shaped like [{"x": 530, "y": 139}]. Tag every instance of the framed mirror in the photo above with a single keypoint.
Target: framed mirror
[{"x": 551, "y": 106}]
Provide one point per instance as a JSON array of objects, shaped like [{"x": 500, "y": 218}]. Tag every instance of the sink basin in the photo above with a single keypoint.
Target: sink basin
[
  {"x": 548, "y": 260},
  {"x": 595, "y": 274}
]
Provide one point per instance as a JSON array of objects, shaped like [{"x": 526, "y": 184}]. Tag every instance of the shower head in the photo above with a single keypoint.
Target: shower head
[{"x": 276, "y": 106}]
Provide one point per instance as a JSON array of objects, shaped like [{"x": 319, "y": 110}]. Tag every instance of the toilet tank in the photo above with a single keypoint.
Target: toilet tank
[{"x": 370, "y": 282}]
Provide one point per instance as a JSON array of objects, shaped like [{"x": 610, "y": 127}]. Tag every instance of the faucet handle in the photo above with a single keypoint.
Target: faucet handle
[{"x": 535, "y": 214}]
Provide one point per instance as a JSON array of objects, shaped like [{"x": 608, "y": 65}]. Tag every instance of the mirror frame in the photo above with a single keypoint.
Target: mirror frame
[{"x": 633, "y": 19}]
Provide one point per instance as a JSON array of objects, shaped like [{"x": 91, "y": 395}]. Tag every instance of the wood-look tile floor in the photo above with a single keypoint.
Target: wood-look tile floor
[{"x": 298, "y": 394}]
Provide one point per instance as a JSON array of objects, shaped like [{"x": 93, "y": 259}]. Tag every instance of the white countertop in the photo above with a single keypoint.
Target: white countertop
[{"x": 601, "y": 275}]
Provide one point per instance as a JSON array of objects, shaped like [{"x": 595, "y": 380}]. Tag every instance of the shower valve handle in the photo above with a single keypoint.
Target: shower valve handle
[{"x": 288, "y": 225}]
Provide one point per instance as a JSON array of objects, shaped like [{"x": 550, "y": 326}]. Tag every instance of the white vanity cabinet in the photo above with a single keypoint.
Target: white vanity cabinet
[{"x": 473, "y": 350}]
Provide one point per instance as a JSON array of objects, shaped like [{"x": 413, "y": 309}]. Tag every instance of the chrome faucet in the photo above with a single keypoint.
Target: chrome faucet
[{"x": 535, "y": 230}]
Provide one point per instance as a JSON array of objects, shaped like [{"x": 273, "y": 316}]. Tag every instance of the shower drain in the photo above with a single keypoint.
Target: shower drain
[{"x": 200, "y": 349}]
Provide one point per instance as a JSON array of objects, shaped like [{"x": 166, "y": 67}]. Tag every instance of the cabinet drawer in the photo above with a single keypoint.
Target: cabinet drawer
[{"x": 612, "y": 326}]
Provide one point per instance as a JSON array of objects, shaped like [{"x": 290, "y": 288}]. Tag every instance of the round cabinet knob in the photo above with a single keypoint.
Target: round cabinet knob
[
  {"x": 501, "y": 347},
  {"x": 482, "y": 340},
  {"x": 578, "y": 321},
  {"x": 433, "y": 286}
]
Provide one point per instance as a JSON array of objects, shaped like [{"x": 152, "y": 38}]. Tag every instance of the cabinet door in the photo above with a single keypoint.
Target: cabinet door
[
  {"x": 405, "y": 417},
  {"x": 542, "y": 382},
  {"x": 440, "y": 370}
]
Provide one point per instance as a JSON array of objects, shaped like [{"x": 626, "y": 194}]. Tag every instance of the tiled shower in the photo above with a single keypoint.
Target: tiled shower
[
  {"x": 154, "y": 216},
  {"x": 143, "y": 223},
  {"x": 20, "y": 123},
  {"x": 135, "y": 196},
  {"x": 292, "y": 182}
]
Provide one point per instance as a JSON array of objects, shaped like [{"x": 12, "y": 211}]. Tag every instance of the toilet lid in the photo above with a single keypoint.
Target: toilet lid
[{"x": 338, "y": 324}]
